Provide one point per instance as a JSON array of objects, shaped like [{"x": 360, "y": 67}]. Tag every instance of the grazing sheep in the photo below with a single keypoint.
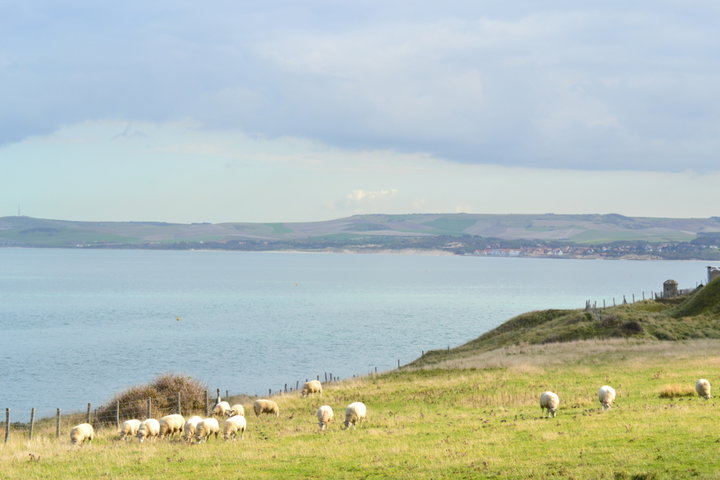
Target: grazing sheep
[
  {"x": 265, "y": 406},
  {"x": 354, "y": 413},
  {"x": 82, "y": 433},
  {"x": 325, "y": 415},
  {"x": 129, "y": 428},
  {"x": 549, "y": 401},
  {"x": 148, "y": 429},
  {"x": 236, "y": 409},
  {"x": 313, "y": 386},
  {"x": 190, "y": 425},
  {"x": 205, "y": 428},
  {"x": 606, "y": 396},
  {"x": 221, "y": 408},
  {"x": 171, "y": 424},
  {"x": 702, "y": 387},
  {"x": 233, "y": 425}
]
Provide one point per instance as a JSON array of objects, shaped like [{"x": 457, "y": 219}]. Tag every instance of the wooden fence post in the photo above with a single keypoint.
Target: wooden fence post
[
  {"x": 207, "y": 404},
  {"x": 32, "y": 422},
  {"x": 149, "y": 408},
  {"x": 179, "y": 404},
  {"x": 87, "y": 416},
  {"x": 218, "y": 397},
  {"x": 57, "y": 424},
  {"x": 117, "y": 415},
  {"x": 7, "y": 425}
]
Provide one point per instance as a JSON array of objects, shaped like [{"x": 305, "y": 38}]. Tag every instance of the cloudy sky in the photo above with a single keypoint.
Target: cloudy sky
[{"x": 284, "y": 110}]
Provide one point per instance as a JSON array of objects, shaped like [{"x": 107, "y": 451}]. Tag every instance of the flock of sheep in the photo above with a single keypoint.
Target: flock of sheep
[
  {"x": 199, "y": 429},
  {"x": 606, "y": 395}
]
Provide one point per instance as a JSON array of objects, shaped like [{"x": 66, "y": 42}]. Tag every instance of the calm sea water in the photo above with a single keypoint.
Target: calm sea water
[{"x": 77, "y": 326}]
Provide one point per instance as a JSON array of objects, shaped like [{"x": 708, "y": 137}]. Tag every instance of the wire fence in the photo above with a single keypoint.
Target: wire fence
[{"x": 113, "y": 413}]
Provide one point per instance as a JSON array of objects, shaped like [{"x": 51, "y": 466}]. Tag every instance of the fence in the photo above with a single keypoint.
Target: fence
[
  {"x": 113, "y": 414},
  {"x": 632, "y": 298}
]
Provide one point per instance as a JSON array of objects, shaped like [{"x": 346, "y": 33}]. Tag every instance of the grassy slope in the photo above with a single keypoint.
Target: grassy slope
[
  {"x": 446, "y": 423},
  {"x": 682, "y": 318}
]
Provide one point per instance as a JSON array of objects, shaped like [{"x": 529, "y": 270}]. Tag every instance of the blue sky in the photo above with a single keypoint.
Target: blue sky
[{"x": 291, "y": 111}]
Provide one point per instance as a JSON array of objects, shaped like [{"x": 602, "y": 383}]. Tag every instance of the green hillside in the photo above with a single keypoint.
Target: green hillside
[{"x": 681, "y": 318}]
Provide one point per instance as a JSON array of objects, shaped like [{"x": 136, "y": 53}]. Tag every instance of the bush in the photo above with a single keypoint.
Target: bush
[{"x": 163, "y": 393}]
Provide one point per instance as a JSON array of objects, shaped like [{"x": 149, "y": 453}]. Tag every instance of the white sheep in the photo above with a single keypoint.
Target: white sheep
[
  {"x": 190, "y": 425},
  {"x": 313, "y": 386},
  {"x": 702, "y": 387},
  {"x": 236, "y": 409},
  {"x": 325, "y": 415},
  {"x": 205, "y": 428},
  {"x": 171, "y": 424},
  {"x": 354, "y": 413},
  {"x": 148, "y": 429},
  {"x": 82, "y": 433},
  {"x": 221, "y": 408},
  {"x": 233, "y": 425},
  {"x": 263, "y": 405},
  {"x": 606, "y": 396},
  {"x": 549, "y": 401},
  {"x": 129, "y": 428}
]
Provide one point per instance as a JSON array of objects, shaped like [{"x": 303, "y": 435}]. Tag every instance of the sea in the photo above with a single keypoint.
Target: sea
[{"x": 79, "y": 325}]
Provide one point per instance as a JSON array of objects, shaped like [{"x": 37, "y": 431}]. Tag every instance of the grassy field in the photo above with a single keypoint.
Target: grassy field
[{"x": 467, "y": 417}]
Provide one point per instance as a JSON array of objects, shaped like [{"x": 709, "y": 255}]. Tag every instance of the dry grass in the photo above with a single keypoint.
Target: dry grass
[
  {"x": 531, "y": 358},
  {"x": 676, "y": 391}
]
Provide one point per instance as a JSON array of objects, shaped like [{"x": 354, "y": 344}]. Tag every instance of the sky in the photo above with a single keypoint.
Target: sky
[{"x": 280, "y": 110}]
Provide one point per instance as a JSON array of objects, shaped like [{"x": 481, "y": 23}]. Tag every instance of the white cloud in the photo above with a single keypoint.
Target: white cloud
[{"x": 364, "y": 195}]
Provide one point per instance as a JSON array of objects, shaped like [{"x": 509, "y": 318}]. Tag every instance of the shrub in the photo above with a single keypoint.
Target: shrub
[{"x": 163, "y": 393}]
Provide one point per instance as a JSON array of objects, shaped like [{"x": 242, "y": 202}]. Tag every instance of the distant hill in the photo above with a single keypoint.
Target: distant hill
[
  {"x": 362, "y": 231},
  {"x": 692, "y": 316}
]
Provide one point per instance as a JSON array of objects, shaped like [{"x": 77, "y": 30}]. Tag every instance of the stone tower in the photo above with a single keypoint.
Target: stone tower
[{"x": 670, "y": 289}]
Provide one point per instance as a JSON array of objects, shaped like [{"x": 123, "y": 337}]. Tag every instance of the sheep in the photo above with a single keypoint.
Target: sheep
[
  {"x": 549, "y": 401},
  {"x": 606, "y": 396},
  {"x": 313, "y": 386},
  {"x": 702, "y": 387},
  {"x": 354, "y": 413},
  {"x": 236, "y": 409},
  {"x": 221, "y": 408},
  {"x": 263, "y": 405},
  {"x": 205, "y": 428},
  {"x": 129, "y": 429},
  {"x": 82, "y": 433},
  {"x": 170, "y": 424},
  {"x": 325, "y": 415},
  {"x": 148, "y": 428},
  {"x": 190, "y": 425},
  {"x": 233, "y": 425}
]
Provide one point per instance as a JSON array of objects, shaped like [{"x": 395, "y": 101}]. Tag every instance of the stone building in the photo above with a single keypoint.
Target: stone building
[{"x": 670, "y": 289}]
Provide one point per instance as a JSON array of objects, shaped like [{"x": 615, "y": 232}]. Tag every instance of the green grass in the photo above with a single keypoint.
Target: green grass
[
  {"x": 451, "y": 225},
  {"x": 62, "y": 237},
  {"x": 446, "y": 423},
  {"x": 596, "y": 237},
  {"x": 279, "y": 228}
]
